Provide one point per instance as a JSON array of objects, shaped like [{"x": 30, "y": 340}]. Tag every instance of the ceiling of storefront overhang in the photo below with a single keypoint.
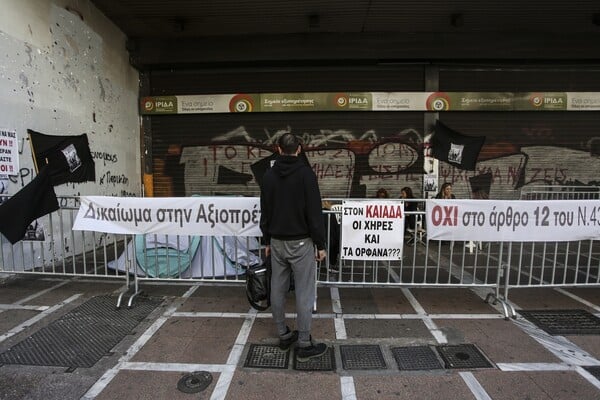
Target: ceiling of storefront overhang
[{"x": 173, "y": 32}]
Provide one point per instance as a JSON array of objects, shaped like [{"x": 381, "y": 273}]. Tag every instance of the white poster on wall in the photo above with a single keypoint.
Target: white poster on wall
[
  {"x": 513, "y": 220},
  {"x": 372, "y": 230},
  {"x": 9, "y": 152},
  {"x": 3, "y": 188}
]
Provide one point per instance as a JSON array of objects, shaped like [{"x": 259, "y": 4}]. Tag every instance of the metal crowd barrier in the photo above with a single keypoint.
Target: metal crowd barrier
[
  {"x": 500, "y": 266},
  {"x": 553, "y": 264},
  {"x": 424, "y": 263},
  {"x": 497, "y": 266},
  {"x": 555, "y": 192},
  {"x": 214, "y": 259},
  {"x": 51, "y": 247}
]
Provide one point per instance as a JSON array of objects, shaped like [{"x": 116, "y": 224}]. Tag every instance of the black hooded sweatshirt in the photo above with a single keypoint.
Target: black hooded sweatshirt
[{"x": 290, "y": 202}]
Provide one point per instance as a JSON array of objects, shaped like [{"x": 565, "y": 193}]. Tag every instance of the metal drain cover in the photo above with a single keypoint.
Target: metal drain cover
[
  {"x": 362, "y": 357},
  {"x": 564, "y": 322},
  {"x": 195, "y": 382},
  {"x": 324, "y": 363},
  {"x": 463, "y": 356},
  {"x": 267, "y": 356},
  {"x": 595, "y": 370},
  {"x": 416, "y": 358},
  {"x": 82, "y": 336}
]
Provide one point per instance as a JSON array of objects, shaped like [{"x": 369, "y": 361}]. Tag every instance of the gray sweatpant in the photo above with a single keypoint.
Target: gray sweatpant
[{"x": 297, "y": 256}]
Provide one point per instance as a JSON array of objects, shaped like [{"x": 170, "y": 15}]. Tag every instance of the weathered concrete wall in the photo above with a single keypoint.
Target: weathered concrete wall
[{"x": 64, "y": 70}]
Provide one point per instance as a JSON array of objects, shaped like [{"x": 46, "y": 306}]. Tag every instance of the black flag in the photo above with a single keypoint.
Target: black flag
[
  {"x": 228, "y": 176},
  {"x": 455, "y": 148},
  {"x": 261, "y": 166},
  {"x": 480, "y": 185},
  {"x": 68, "y": 157},
  {"x": 34, "y": 200}
]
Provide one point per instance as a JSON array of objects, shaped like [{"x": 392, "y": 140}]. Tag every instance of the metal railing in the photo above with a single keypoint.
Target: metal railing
[
  {"x": 556, "y": 192},
  {"x": 58, "y": 250},
  {"x": 497, "y": 266}
]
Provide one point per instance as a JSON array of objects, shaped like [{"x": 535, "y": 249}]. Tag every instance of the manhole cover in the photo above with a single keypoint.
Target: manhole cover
[
  {"x": 362, "y": 357},
  {"x": 324, "y": 363},
  {"x": 463, "y": 356},
  {"x": 416, "y": 358},
  {"x": 194, "y": 382},
  {"x": 564, "y": 322},
  {"x": 267, "y": 356}
]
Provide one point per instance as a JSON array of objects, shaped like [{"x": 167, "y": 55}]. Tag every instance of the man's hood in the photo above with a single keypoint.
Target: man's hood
[{"x": 287, "y": 165}]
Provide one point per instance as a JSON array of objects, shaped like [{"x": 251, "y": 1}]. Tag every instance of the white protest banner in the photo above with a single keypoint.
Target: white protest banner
[
  {"x": 9, "y": 153},
  {"x": 372, "y": 230},
  {"x": 513, "y": 220},
  {"x": 201, "y": 216}
]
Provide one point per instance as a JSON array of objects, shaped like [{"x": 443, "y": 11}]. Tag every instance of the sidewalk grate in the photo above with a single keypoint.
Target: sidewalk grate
[
  {"x": 82, "y": 336},
  {"x": 594, "y": 370},
  {"x": 415, "y": 358},
  {"x": 564, "y": 322},
  {"x": 324, "y": 363},
  {"x": 267, "y": 356},
  {"x": 362, "y": 357},
  {"x": 463, "y": 356}
]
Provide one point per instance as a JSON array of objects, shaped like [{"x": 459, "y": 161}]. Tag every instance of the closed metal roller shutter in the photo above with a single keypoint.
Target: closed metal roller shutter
[
  {"x": 352, "y": 153},
  {"x": 526, "y": 148},
  {"x": 355, "y": 153}
]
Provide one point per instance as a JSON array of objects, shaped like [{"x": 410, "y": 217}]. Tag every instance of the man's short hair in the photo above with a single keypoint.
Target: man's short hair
[{"x": 288, "y": 143}]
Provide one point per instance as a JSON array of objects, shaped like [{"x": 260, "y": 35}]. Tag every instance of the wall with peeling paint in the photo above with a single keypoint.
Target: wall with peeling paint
[{"x": 64, "y": 70}]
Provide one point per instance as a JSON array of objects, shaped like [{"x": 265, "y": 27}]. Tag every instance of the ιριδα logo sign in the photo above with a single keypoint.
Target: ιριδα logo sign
[
  {"x": 438, "y": 102},
  {"x": 148, "y": 104},
  {"x": 536, "y": 100},
  {"x": 341, "y": 100},
  {"x": 241, "y": 103}
]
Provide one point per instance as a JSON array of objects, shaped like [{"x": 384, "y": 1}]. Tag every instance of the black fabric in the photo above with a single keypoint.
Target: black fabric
[
  {"x": 455, "y": 148},
  {"x": 290, "y": 202},
  {"x": 261, "y": 166},
  {"x": 333, "y": 239},
  {"x": 34, "y": 200},
  {"x": 409, "y": 222},
  {"x": 480, "y": 185},
  {"x": 68, "y": 157}
]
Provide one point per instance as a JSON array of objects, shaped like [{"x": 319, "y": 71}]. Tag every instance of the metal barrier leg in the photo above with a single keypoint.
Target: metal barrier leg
[
  {"x": 130, "y": 261},
  {"x": 135, "y": 285},
  {"x": 120, "y": 298},
  {"x": 509, "y": 310},
  {"x": 317, "y": 270},
  {"x": 507, "y": 282}
]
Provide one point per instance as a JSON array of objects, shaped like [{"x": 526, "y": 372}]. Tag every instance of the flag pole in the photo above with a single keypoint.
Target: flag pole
[{"x": 37, "y": 169}]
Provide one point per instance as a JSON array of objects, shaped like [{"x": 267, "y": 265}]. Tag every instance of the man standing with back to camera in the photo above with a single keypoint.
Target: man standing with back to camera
[{"x": 292, "y": 224}]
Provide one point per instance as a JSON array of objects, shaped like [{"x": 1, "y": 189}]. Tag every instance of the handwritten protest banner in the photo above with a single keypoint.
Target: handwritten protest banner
[
  {"x": 9, "y": 153},
  {"x": 201, "y": 216},
  {"x": 372, "y": 230},
  {"x": 513, "y": 220}
]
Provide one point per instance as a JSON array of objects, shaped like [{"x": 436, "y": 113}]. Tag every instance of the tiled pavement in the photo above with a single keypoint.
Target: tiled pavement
[{"x": 211, "y": 328}]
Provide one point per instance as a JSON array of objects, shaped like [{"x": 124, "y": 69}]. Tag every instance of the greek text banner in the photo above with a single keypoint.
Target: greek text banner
[
  {"x": 372, "y": 230},
  {"x": 201, "y": 216},
  {"x": 513, "y": 220}
]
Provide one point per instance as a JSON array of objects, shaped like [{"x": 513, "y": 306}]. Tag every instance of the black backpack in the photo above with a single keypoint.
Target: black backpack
[{"x": 258, "y": 285}]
